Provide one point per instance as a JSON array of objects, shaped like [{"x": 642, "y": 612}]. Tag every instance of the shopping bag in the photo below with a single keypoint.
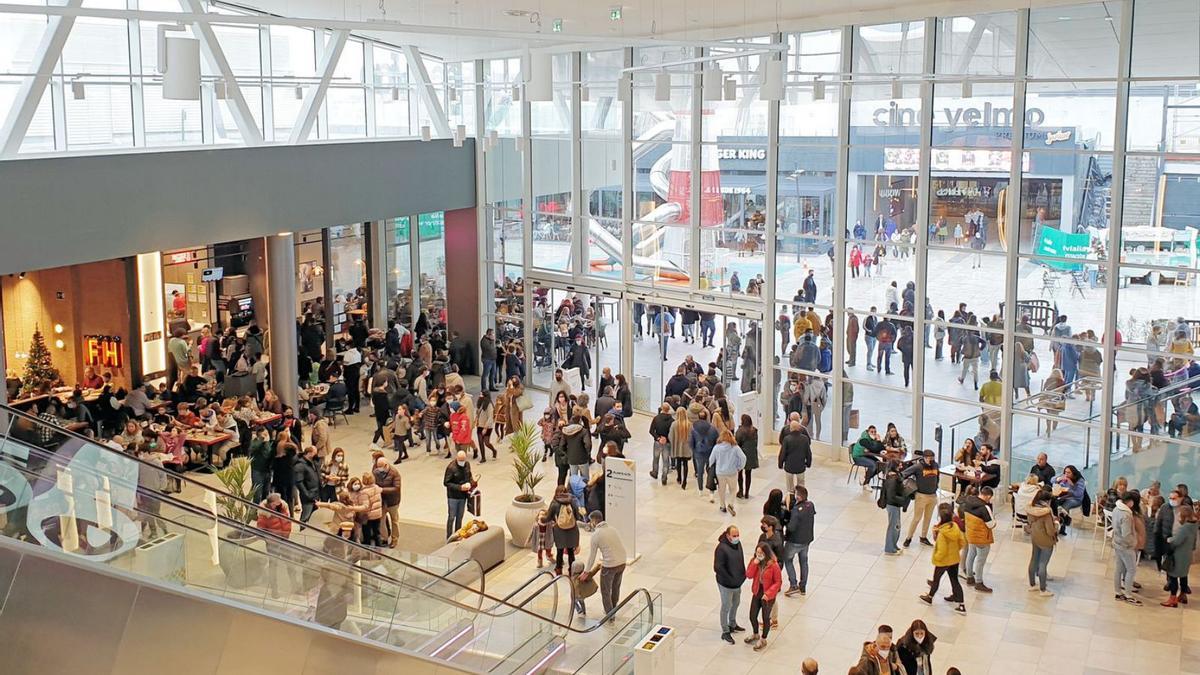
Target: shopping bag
[{"x": 475, "y": 503}]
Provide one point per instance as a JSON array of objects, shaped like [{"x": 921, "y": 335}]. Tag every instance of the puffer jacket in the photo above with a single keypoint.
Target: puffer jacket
[
  {"x": 948, "y": 545},
  {"x": 577, "y": 443},
  {"x": 371, "y": 497},
  {"x": 977, "y": 515},
  {"x": 1042, "y": 530}
]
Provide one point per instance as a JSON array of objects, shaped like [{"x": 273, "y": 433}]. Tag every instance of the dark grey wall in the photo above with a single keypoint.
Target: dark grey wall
[{"x": 66, "y": 210}]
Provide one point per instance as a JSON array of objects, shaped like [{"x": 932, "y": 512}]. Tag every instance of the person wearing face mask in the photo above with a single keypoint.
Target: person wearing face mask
[
  {"x": 307, "y": 477},
  {"x": 916, "y": 649},
  {"x": 334, "y": 473},
  {"x": 387, "y": 479},
  {"x": 459, "y": 483},
  {"x": 879, "y": 656},
  {"x": 1164, "y": 525},
  {"x": 372, "y": 495},
  {"x": 729, "y": 564},
  {"x": 765, "y": 582}
]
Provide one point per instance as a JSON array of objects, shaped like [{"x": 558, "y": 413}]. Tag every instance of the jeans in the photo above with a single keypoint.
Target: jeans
[
  {"x": 977, "y": 556},
  {"x": 261, "y": 481},
  {"x": 610, "y": 586},
  {"x": 884, "y": 361},
  {"x": 454, "y": 514},
  {"x": 891, "y": 540},
  {"x": 581, "y": 469},
  {"x": 687, "y": 331},
  {"x": 1125, "y": 571},
  {"x": 871, "y": 352},
  {"x": 490, "y": 373},
  {"x": 923, "y": 507},
  {"x": 790, "y": 551},
  {"x": 663, "y": 343},
  {"x": 662, "y": 456},
  {"x": 708, "y": 330},
  {"x": 1039, "y": 560},
  {"x": 730, "y": 599},
  {"x": 700, "y": 464},
  {"x": 870, "y": 463},
  {"x": 956, "y": 591}
]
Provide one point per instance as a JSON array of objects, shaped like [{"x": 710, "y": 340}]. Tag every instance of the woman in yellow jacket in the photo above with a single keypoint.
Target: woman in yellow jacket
[{"x": 948, "y": 545}]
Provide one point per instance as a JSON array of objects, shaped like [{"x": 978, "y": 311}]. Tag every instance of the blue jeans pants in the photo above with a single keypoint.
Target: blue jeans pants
[
  {"x": 490, "y": 374},
  {"x": 791, "y": 551},
  {"x": 1039, "y": 561},
  {"x": 455, "y": 508},
  {"x": 891, "y": 541}
]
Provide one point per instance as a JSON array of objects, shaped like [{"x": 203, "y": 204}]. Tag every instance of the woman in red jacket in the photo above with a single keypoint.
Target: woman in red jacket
[
  {"x": 765, "y": 582},
  {"x": 273, "y": 517}
]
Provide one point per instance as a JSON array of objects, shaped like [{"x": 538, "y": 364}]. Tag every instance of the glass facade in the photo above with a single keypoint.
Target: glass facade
[
  {"x": 106, "y": 94},
  {"x": 944, "y": 201}
]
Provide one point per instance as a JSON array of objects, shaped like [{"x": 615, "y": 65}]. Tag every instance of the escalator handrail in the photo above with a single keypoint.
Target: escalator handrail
[{"x": 194, "y": 508}]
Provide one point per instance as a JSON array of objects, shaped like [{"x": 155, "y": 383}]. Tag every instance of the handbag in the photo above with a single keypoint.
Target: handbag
[
  {"x": 523, "y": 402},
  {"x": 475, "y": 502}
]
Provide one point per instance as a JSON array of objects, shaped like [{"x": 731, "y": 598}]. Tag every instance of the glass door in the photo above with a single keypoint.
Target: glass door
[{"x": 577, "y": 331}]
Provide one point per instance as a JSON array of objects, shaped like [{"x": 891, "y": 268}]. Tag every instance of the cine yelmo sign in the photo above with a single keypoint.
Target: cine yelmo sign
[{"x": 1056, "y": 243}]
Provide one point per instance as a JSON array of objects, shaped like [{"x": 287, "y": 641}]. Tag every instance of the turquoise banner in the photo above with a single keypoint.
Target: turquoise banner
[
  {"x": 429, "y": 225},
  {"x": 1059, "y": 244}
]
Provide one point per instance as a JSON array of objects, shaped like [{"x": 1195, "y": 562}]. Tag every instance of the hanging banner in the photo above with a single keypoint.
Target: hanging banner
[
  {"x": 1059, "y": 244},
  {"x": 620, "y": 500}
]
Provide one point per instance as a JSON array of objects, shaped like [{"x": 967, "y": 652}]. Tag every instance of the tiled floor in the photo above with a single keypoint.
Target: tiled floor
[{"x": 853, "y": 587}]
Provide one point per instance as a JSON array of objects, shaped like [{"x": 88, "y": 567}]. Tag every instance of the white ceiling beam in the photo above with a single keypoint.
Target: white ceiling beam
[
  {"x": 315, "y": 96},
  {"x": 196, "y": 15},
  {"x": 20, "y": 115},
  {"x": 243, "y": 117},
  {"x": 426, "y": 91}
]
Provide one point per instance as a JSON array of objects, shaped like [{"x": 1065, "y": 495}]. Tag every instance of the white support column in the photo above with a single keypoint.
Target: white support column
[
  {"x": 427, "y": 92},
  {"x": 922, "y": 227},
  {"x": 580, "y": 214},
  {"x": 379, "y": 272},
  {"x": 483, "y": 213},
  {"x": 133, "y": 31},
  {"x": 315, "y": 96},
  {"x": 695, "y": 151},
  {"x": 766, "y": 349},
  {"x": 841, "y": 209},
  {"x": 243, "y": 117},
  {"x": 369, "y": 88},
  {"x": 266, "y": 66},
  {"x": 527, "y": 218},
  {"x": 281, "y": 308},
  {"x": 1012, "y": 242},
  {"x": 1117, "y": 195},
  {"x": 29, "y": 95},
  {"x": 625, "y": 98}
]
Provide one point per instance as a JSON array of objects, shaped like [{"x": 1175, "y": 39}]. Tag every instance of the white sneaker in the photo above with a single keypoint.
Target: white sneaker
[
  {"x": 712, "y": 499},
  {"x": 1032, "y": 589},
  {"x": 1046, "y": 594}
]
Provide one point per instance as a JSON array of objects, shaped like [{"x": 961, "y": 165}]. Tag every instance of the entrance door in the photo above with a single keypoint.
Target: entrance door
[{"x": 569, "y": 320}]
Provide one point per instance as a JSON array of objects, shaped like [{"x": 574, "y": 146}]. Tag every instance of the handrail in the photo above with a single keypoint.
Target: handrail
[
  {"x": 452, "y": 570},
  {"x": 188, "y": 506}
]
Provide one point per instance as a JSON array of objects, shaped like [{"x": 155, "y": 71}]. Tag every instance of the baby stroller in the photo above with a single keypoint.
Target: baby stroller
[{"x": 542, "y": 357}]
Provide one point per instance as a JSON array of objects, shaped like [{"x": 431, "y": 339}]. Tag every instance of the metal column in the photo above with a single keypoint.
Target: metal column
[
  {"x": 281, "y": 308},
  {"x": 766, "y": 331}
]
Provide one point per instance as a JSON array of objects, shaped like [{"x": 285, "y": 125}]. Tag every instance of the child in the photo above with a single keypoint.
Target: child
[
  {"x": 583, "y": 589},
  {"x": 401, "y": 432},
  {"x": 540, "y": 538},
  {"x": 578, "y": 486}
]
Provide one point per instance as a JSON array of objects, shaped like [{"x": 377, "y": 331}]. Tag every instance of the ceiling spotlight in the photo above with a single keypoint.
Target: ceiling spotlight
[
  {"x": 21, "y": 275},
  {"x": 58, "y": 328},
  {"x": 60, "y": 344},
  {"x": 78, "y": 92},
  {"x": 730, "y": 87}
]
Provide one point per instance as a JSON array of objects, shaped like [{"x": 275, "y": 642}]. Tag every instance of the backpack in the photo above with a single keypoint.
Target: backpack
[
  {"x": 565, "y": 520},
  {"x": 908, "y": 487}
]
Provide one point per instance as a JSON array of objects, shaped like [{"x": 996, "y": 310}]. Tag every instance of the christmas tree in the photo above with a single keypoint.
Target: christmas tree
[{"x": 40, "y": 373}]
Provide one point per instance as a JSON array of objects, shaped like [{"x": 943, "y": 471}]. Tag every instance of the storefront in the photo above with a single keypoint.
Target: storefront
[
  {"x": 425, "y": 262},
  {"x": 331, "y": 275},
  {"x": 69, "y": 319}
]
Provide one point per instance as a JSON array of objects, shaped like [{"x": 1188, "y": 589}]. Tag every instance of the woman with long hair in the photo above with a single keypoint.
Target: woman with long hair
[
  {"x": 916, "y": 649},
  {"x": 1043, "y": 535},
  {"x": 765, "y": 582},
  {"x": 774, "y": 505},
  {"x": 1181, "y": 544},
  {"x": 484, "y": 421},
  {"x": 681, "y": 448},
  {"x": 948, "y": 546},
  {"x": 747, "y": 440}
]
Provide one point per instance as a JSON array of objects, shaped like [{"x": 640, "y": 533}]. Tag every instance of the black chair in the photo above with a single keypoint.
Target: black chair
[{"x": 333, "y": 408}]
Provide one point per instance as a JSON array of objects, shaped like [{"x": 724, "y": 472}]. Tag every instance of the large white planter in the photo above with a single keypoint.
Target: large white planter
[{"x": 519, "y": 519}]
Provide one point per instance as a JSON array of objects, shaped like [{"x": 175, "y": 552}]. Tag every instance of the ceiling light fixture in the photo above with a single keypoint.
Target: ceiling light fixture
[
  {"x": 395, "y": 93},
  {"x": 711, "y": 83},
  {"x": 78, "y": 91},
  {"x": 426, "y": 133},
  {"x": 772, "y": 81},
  {"x": 662, "y": 86},
  {"x": 730, "y": 87},
  {"x": 452, "y": 94},
  {"x": 299, "y": 93},
  {"x": 968, "y": 89},
  {"x": 584, "y": 93},
  {"x": 818, "y": 90},
  {"x": 540, "y": 85},
  {"x": 624, "y": 84},
  {"x": 516, "y": 93},
  {"x": 897, "y": 88},
  {"x": 179, "y": 64}
]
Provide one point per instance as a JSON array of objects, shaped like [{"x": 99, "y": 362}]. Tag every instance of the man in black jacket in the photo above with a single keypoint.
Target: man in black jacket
[
  {"x": 308, "y": 482},
  {"x": 926, "y": 473},
  {"x": 797, "y": 536},
  {"x": 678, "y": 383},
  {"x": 660, "y": 430},
  {"x": 487, "y": 354},
  {"x": 457, "y": 480},
  {"x": 729, "y": 564},
  {"x": 795, "y": 455}
]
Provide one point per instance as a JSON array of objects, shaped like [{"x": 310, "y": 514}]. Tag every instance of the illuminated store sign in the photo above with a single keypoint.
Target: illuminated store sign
[
  {"x": 987, "y": 116},
  {"x": 102, "y": 350}
]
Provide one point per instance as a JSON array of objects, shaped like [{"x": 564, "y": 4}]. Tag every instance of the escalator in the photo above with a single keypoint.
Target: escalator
[{"x": 93, "y": 507}]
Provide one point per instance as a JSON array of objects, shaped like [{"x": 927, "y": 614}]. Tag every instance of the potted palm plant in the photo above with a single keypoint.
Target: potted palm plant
[
  {"x": 242, "y": 554},
  {"x": 522, "y": 512}
]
